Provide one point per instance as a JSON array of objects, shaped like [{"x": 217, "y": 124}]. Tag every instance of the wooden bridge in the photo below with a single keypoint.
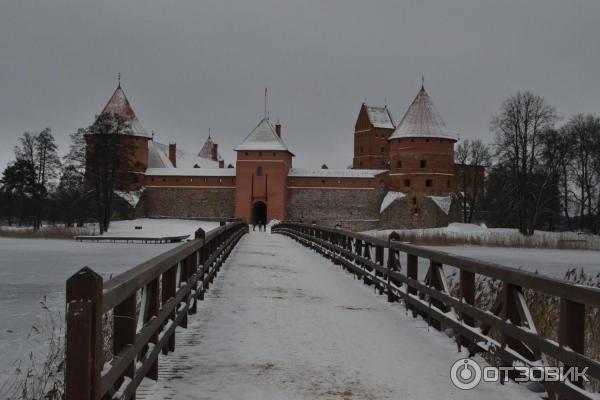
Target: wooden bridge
[{"x": 281, "y": 322}]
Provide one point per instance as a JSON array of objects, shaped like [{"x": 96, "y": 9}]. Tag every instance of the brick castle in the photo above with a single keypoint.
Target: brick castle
[{"x": 402, "y": 174}]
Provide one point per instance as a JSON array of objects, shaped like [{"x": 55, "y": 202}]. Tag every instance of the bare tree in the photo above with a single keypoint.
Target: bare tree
[
  {"x": 519, "y": 127},
  {"x": 472, "y": 157},
  {"x": 41, "y": 152},
  {"x": 110, "y": 163},
  {"x": 582, "y": 131}
]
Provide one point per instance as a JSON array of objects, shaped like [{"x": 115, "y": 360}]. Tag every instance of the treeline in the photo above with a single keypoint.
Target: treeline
[
  {"x": 540, "y": 175},
  {"x": 39, "y": 186}
]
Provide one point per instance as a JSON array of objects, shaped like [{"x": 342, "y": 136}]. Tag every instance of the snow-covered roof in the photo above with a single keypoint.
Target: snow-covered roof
[
  {"x": 443, "y": 202},
  {"x": 206, "y": 151},
  {"x": 263, "y": 137},
  {"x": 190, "y": 172},
  {"x": 389, "y": 198},
  {"x": 119, "y": 105},
  {"x": 334, "y": 173},
  {"x": 380, "y": 117},
  {"x": 158, "y": 157},
  {"x": 422, "y": 120}
]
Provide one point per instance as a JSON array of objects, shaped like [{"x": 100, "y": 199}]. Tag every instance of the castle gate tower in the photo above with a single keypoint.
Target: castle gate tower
[{"x": 262, "y": 166}]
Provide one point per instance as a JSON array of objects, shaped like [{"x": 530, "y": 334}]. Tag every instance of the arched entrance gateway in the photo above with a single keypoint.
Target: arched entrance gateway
[{"x": 259, "y": 213}]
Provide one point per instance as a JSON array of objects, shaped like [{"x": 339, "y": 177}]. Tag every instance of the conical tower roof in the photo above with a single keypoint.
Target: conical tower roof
[
  {"x": 422, "y": 120},
  {"x": 263, "y": 137},
  {"x": 119, "y": 104},
  {"x": 206, "y": 150}
]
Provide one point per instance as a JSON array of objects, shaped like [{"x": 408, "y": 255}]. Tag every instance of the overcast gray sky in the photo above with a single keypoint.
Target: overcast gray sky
[{"x": 190, "y": 65}]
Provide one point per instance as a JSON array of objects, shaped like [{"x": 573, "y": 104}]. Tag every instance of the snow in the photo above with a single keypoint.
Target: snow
[
  {"x": 263, "y": 137},
  {"x": 132, "y": 198},
  {"x": 389, "y": 198},
  {"x": 158, "y": 158},
  {"x": 334, "y": 173},
  {"x": 422, "y": 120},
  {"x": 158, "y": 227},
  {"x": 190, "y": 172},
  {"x": 31, "y": 270},
  {"x": 282, "y": 322},
  {"x": 554, "y": 263},
  {"x": 443, "y": 202},
  {"x": 380, "y": 117},
  {"x": 505, "y": 237}
]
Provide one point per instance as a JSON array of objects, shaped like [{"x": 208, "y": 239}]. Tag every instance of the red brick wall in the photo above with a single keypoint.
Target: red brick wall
[
  {"x": 371, "y": 148},
  {"x": 439, "y": 169}
]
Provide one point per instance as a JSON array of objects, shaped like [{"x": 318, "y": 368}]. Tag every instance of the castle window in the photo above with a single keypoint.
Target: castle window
[
  {"x": 448, "y": 184},
  {"x": 339, "y": 181},
  {"x": 414, "y": 200},
  {"x": 427, "y": 140},
  {"x": 423, "y": 163},
  {"x": 362, "y": 149},
  {"x": 360, "y": 163},
  {"x": 412, "y": 140},
  {"x": 260, "y": 153},
  {"x": 274, "y": 154},
  {"x": 407, "y": 183},
  {"x": 152, "y": 179},
  {"x": 399, "y": 164},
  {"x": 164, "y": 180},
  {"x": 246, "y": 153},
  {"x": 259, "y": 171},
  {"x": 204, "y": 180},
  {"x": 191, "y": 180},
  {"x": 322, "y": 180},
  {"x": 382, "y": 150},
  {"x": 429, "y": 183}
]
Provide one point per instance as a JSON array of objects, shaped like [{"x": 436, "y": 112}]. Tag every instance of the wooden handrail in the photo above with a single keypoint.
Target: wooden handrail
[
  {"x": 145, "y": 304},
  {"x": 365, "y": 256}
]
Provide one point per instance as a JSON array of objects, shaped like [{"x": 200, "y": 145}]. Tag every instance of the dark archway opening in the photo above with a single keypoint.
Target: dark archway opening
[{"x": 259, "y": 213}]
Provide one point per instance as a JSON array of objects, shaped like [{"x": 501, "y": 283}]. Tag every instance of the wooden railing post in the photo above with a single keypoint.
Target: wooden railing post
[
  {"x": 392, "y": 264},
  {"x": 467, "y": 294},
  {"x": 124, "y": 325},
  {"x": 84, "y": 340},
  {"x": 169, "y": 283},
  {"x": 412, "y": 272},
  {"x": 152, "y": 310},
  {"x": 571, "y": 328}
]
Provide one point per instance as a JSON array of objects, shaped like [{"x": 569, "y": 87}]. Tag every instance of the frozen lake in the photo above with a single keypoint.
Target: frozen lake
[{"x": 34, "y": 269}]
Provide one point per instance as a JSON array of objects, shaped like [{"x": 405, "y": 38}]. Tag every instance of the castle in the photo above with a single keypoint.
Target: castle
[{"x": 402, "y": 174}]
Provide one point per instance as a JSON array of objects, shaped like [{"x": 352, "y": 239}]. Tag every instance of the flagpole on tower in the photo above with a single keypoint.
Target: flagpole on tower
[{"x": 265, "y": 103}]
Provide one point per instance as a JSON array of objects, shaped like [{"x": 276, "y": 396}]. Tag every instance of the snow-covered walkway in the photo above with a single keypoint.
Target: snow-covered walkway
[{"x": 282, "y": 322}]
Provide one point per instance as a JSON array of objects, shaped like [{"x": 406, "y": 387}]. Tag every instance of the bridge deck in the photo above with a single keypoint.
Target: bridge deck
[{"x": 282, "y": 322}]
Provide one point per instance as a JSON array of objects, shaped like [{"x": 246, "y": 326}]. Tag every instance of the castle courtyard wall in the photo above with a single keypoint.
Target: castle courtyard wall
[
  {"x": 352, "y": 208},
  {"x": 188, "y": 202}
]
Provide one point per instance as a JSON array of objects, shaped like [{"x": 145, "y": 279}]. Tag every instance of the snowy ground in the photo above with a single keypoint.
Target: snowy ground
[
  {"x": 34, "y": 269},
  {"x": 157, "y": 227},
  {"x": 282, "y": 322},
  {"x": 544, "y": 261},
  {"x": 504, "y": 237}
]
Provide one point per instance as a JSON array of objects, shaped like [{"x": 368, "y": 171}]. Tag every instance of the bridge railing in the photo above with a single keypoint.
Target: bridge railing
[
  {"x": 378, "y": 262},
  {"x": 117, "y": 329}
]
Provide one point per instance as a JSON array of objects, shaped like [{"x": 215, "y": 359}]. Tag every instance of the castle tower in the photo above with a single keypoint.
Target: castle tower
[
  {"x": 137, "y": 137},
  {"x": 422, "y": 151},
  {"x": 263, "y": 163},
  {"x": 373, "y": 127}
]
